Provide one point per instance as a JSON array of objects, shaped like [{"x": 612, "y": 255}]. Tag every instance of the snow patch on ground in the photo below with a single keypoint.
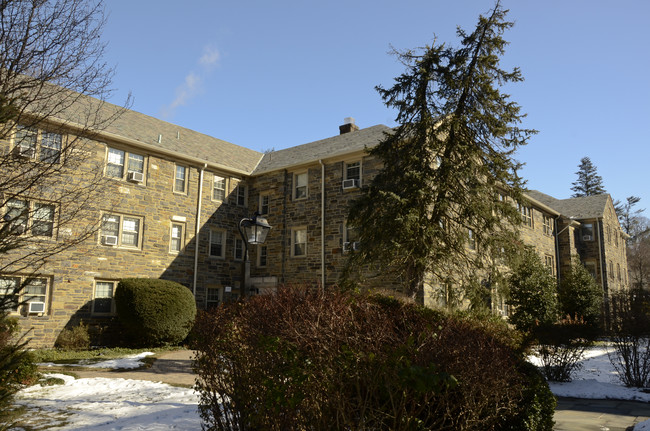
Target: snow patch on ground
[{"x": 128, "y": 362}]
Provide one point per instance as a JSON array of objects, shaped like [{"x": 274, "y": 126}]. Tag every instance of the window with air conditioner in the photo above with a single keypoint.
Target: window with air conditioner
[
  {"x": 125, "y": 165},
  {"x": 350, "y": 239},
  {"x": 121, "y": 230},
  {"x": 351, "y": 175},
  {"x": 587, "y": 232},
  {"x": 34, "y": 143},
  {"x": 27, "y": 295}
]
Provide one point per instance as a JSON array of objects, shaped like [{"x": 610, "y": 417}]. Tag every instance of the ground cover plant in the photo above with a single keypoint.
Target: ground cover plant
[{"x": 308, "y": 359}]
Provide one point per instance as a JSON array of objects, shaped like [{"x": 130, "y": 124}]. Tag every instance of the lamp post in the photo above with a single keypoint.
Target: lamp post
[{"x": 253, "y": 231}]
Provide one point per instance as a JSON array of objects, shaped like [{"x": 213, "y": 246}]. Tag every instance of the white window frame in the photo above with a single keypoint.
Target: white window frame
[
  {"x": 262, "y": 256},
  {"x": 214, "y": 233},
  {"x": 547, "y": 225},
  {"x": 262, "y": 205},
  {"x": 25, "y": 298},
  {"x": 121, "y": 229},
  {"x": 587, "y": 229},
  {"x": 471, "y": 239},
  {"x": 96, "y": 297},
  {"x": 125, "y": 165},
  {"x": 295, "y": 185},
  {"x": 295, "y": 233},
  {"x": 239, "y": 192},
  {"x": 176, "y": 235},
  {"x": 526, "y": 215},
  {"x": 350, "y": 236},
  {"x": 346, "y": 170},
  {"x": 46, "y": 146},
  {"x": 238, "y": 246},
  {"x": 30, "y": 219},
  {"x": 210, "y": 300},
  {"x": 549, "y": 262},
  {"x": 219, "y": 180},
  {"x": 184, "y": 179}
]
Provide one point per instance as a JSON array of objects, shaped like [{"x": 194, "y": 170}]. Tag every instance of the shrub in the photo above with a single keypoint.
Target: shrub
[
  {"x": 75, "y": 338},
  {"x": 306, "y": 359},
  {"x": 630, "y": 327},
  {"x": 155, "y": 312},
  {"x": 580, "y": 296},
  {"x": 532, "y": 293}
]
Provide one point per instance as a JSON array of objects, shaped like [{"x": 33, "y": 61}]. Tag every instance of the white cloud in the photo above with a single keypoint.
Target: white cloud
[{"x": 192, "y": 86}]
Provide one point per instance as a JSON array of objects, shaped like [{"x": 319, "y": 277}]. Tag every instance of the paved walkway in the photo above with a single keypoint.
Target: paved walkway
[{"x": 571, "y": 414}]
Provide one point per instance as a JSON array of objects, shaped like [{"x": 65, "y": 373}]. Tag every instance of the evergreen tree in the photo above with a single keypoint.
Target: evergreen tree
[
  {"x": 627, "y": 215},
  {"x": 443, "y": 165},
  {"x": 580, "y": 296},
  {"x": 589, "y": 182}
]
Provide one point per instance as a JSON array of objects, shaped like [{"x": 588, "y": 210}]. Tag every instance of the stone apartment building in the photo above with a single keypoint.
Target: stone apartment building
[{"x": 173, "y": 199}]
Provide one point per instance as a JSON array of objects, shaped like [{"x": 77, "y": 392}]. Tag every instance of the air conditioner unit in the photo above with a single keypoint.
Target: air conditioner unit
[
  {"x": 587, "y": 237},
  {"x": 109, "y": 240},
  {"x": 355, "y": 245},
  {"x": 350, "y": 184},
  {"x": 25, "y": 151},
  {"x": 350, "y": 246},
  {"x": 136, "y": 177},
  {"x": 36, "y": 307}
]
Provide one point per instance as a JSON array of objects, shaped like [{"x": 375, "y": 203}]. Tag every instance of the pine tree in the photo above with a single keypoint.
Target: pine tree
[
  {"x": 444, "y": 164},
  {"x": 589, "y": 183}
]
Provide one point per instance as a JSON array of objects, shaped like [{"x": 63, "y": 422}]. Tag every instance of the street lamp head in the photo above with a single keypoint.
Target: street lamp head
[{"x": 255, "y": 229}]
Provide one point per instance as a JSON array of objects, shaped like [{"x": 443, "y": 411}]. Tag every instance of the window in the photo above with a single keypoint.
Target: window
[
  {"x": 239, "y": 249},
  {"x": 239, "y": 194},
  {"x": 591, "y": 269},
  {"x": 217, "y": 242},
  {"x": 548, "y": 225},
  {"x": 300, "y": 185},
  {"x": 121, "y": 230},
  {"x": 299, "y": 242},
  {"x": 587, "y": 232},
  {"x": 610, "y": 269},
  {"x": 219, "y": 188},
  {"x": 350, "y": 238},
  {"x": 262, "y": 256},
  {"x": 549, "y": 262},
  {"x": 30, "y": 292},
  {"x": 352, "y": 171},
  {"x": 176, "y": 237},
  {"x": 618, "y": 271},
  {"x": 27, "y": 141},
  {"x": 471, "y": 239},
  {"x": 103, "y": 302},
  {"x": 124, "y": 165},
  {"x": 616, "y": 238},
  {"x": 180, "y": 179},
  {"x": 264, "y": 204},
  {"x": 213, "y": 297},
  {"x": 35, "y": 218},
  {"x": 526, "y": 214},
  {"x": 609, "y": 234}
]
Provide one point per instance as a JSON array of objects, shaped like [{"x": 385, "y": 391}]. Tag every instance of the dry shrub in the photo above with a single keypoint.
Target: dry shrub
[{"x": 306, "y": 359}]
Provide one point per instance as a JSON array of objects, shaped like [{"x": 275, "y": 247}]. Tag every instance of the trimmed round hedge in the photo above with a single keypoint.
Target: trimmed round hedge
[{"x": 155, "y": 312}]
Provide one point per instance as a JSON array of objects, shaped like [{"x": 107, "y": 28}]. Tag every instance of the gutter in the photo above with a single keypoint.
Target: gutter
[
  {"x": 197, "y": 228},
  {"x": 322, "y": 223}
]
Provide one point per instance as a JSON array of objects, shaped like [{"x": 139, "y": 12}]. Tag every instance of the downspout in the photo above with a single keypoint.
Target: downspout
[
  {"x": 197, "y": 228},
  {"x": 557, "y": 248},
  {"x": 322, "y": 223},
  {"x": 600, "y": 258}
]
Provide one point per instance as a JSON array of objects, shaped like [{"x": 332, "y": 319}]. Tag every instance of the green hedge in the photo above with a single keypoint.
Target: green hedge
[
  {"x": 306, "y": 359},
  {"x": 155, "y": 312}
]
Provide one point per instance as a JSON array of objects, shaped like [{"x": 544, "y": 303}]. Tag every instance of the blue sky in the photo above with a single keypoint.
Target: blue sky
[{"x": 275, "y": 74}]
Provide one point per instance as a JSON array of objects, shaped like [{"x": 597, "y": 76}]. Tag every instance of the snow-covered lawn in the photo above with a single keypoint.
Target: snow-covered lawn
[{"x": 119, "y": 404}]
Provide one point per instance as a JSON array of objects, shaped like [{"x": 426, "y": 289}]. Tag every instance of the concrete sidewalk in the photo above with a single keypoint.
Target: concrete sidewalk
[{"x": 574, "y": 414}]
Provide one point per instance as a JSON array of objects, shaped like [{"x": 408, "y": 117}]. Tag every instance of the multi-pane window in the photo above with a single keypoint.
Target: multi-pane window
[
  {"x": 262, "y": 256},
  {"x": 103, "y": 302},
  {"x": 27, "y": 141},
  {"x": 213, "y": 297},
  {"x": 350, "y": 238},
  {"x": 240, "y": 195},
  {"x": 548, "y": 225},
  {"x": 124, "y": 165},
  {"x": 526, "y": 215},
  {"x": 180, "y": 179},
  {"x": 23, "y": 216},
  {"x": 353, "y": 171},
  {"x": 300, "y": 185},
  {"x": 217, "y": 242},
  {"x": 239, "y": 249},
  {"x": 587, "y": 232},
  {"x": 219, "y": 188},
  {"x": 299, "y": 242},
  {"x": 549, "y": 263},
  {"x": 28, "y": 293},
  {"x": 176, "y": 238},
  {"x": 121, "y": 230},
  {"x": 608, "y": 230},
  {"x": 264, "y": 204},
  {"x": 591, "y": 269},
  {"x": 471, "y": 239}
]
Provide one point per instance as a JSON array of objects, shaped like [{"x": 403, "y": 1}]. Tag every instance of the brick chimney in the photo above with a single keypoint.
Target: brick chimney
[{"x": 348, "y": 126}]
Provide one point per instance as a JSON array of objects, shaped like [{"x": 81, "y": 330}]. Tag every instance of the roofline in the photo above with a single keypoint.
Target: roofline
[
  {"x": 150, "y": 147},
  {"x": 311, "y": 161}
]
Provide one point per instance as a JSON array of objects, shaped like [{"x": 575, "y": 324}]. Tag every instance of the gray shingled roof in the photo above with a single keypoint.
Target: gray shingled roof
[
  {"x": 323, "y": 149},
  {"x": 146, "y": 129},
  {"x": 586, "y": 207}
]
